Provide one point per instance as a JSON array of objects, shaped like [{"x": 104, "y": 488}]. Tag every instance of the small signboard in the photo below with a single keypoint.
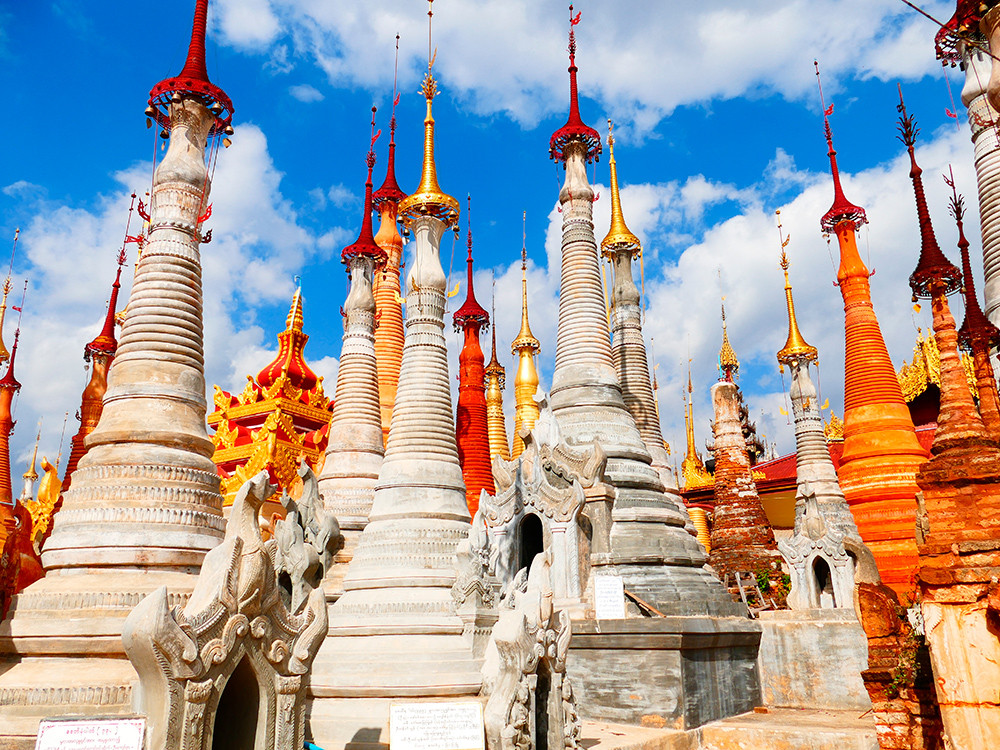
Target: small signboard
[
  {"x": 91, "y": 734},
  {"x": 609, "y": 597},
  {"x": 437, "y": 726}
]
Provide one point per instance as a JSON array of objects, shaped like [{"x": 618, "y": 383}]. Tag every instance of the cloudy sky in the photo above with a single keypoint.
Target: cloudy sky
[{"x": 718, "y": 123}]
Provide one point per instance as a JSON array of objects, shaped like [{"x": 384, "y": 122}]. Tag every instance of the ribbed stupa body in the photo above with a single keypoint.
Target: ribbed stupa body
[
  {"x": 881, "y": 452},
  {"x": 354, "y": 451},
  {"x": 659, "y": 561},
  {"x": 812, "y": 456},
  {"x": 389, "y": 313},
  {"x": 144, "y": 506},
  {"x": 394, "y": 633},
  {"x": 147, "y": 492},
  {"x": 742, "y": 539},
  {"x": 978, "y": 66},
  {"x": 495, "y": 419}
]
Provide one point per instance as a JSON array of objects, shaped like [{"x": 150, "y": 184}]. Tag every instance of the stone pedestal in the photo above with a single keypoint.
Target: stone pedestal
[
  {"x": 676, "y": 672},
  {"x": 813, "y": 658}
]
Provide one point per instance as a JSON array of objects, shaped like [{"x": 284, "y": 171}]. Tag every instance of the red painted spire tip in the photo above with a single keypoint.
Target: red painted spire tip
[
  {"x": 976, "y": 330},
  {"x": 934, "y": 272},
  {"x": 8, "y": 380},
  {"x": 193, "y": 82},
  {"x": 365, "y": 244},
  {"x": 105, "y": 342},
  {"x": 471, "y": 313},
  {"x": 842, "y": 209},
  {"x": 575, "y": 130}
]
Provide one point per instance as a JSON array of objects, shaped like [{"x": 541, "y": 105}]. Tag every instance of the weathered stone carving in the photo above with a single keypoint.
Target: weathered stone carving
[
  {"x": 307, "y": 539},
  {"x": 235, "y": 622},
  {"x": 524, "y": 673},
  {"x": 821, "y": 570},
  {"x": 547, "y": 481}
]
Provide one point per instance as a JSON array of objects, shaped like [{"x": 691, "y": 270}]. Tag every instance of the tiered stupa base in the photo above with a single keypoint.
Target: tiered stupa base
[{"x": 71, "y": 625}]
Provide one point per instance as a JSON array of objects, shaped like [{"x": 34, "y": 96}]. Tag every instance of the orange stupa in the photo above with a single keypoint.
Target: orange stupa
[
  {"x": 99, "y": 354},
  {"x": 881, "y": 452},
  {"x": 471, "y": 428},
  {"x": 386, "y": 287}
]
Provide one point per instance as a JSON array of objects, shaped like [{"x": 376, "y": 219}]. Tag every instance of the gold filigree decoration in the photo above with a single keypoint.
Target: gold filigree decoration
[
  {"x": 925, "y": 369},
  {"x": 834, "y": 429}
]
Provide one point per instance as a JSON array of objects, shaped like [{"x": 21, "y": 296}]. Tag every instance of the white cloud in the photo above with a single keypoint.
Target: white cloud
[
  {"x": 258, "y": 247},
  {"x": 640, "y": 60},
  {"x": 306, "y": 93}
]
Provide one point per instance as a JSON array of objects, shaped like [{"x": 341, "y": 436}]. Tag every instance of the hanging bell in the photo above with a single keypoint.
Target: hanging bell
[
  {"x": 229, "y": 130},
  {"x": 226, "y": 142},
  {"x": 164, "y": 134},
  {"x": 215, "y": 109},
  {"x": 149, "y": 123}
]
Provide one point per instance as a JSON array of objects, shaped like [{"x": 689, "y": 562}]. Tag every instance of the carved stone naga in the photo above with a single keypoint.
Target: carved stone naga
[{"x": 236, "y": 614}]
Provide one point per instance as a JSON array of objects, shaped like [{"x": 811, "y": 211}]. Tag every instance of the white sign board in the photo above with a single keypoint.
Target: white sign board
[
  {"x": 91, "y": 734},
  {"x": 609, "y": 597},
  {"x": 436, "y": 726}
]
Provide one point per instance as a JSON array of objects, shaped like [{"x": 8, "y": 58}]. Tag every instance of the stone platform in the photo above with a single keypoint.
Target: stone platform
[
  {"x": 665, "y": 672},
  {"x": 778, "y": 729}
]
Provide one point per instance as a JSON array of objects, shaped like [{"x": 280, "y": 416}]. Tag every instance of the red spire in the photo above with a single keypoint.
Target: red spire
[
  {"x": 290, "y": 360},
  {"x": 976, "y": 328},
  {"x": 8, "y": 380},
  {"x": 365, "y": 244},
  {"x": 933, "y": 269},
  {"x": 390, "y": 190},
  {"x": 842, "y": 209},
  {"x": 105, "y": 343},
  {"x": 471, "y": 313},
  {"x": 192, "y": 82},
  {"x": 575, "y": 130}
]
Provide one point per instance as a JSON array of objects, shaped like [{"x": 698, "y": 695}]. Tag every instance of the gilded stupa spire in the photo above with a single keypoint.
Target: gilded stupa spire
[
  {"x": 729, "y": 365},
  {"x": 4, "y": 354},
  {"x": 795, "y": 347},
  {"x": 495, "y": 382},
  {"x": 525, "y": 347},
  {"x": 619, "y": 236},
  {"x": 428, "y": 199},
  {"x": 692, "y": 468}
]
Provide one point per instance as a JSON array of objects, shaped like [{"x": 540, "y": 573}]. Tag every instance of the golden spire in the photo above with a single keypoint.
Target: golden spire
[
  {"x": 32, "y": 472},
  {"x": 428, "y": 199},
  {"x": 4, "y": 354},
  {"x": 525, "y": 339},
  {"x": 525, "y": 346},
  {"x": 294, "y": 321},
  {"x": 728, "y": 362},
  {"x": 693, "y": 470},
  {"x": 619, "y": 237},
  {"x": 795, "y": 347}
]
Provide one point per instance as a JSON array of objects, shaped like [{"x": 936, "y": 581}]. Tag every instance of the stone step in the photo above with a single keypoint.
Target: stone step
[{"x": 792, "y": 729}]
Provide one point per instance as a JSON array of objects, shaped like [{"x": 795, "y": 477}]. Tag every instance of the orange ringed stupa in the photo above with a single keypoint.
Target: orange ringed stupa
[{"x": 881, "y": 451}]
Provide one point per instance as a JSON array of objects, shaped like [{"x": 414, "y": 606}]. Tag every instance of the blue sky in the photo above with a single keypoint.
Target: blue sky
[{"x": 717, "y": 119}]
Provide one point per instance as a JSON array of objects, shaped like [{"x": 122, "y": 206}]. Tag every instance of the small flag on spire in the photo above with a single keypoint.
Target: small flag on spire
[
  {"x": 828, "y": 111},
  {"x": 950, "y": 114}
]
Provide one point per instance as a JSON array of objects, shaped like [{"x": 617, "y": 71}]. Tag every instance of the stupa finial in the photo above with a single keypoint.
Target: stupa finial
[
  {"x": 192, "y": 82},
  {"x": 365, "y": 244},
  {"x": 934, "y": 271},
  {"x": 619, "y": 236},
  {"x": 471, "y": 312},
  {"x": 429, "y": 199},
  {"x": 575, "y": 130},
  {"x": 842, "y": 209},
  {"x": 390, "y": 190},
  {"x": 795, "y": 348},
  {"x": 729, "y": 364}
]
